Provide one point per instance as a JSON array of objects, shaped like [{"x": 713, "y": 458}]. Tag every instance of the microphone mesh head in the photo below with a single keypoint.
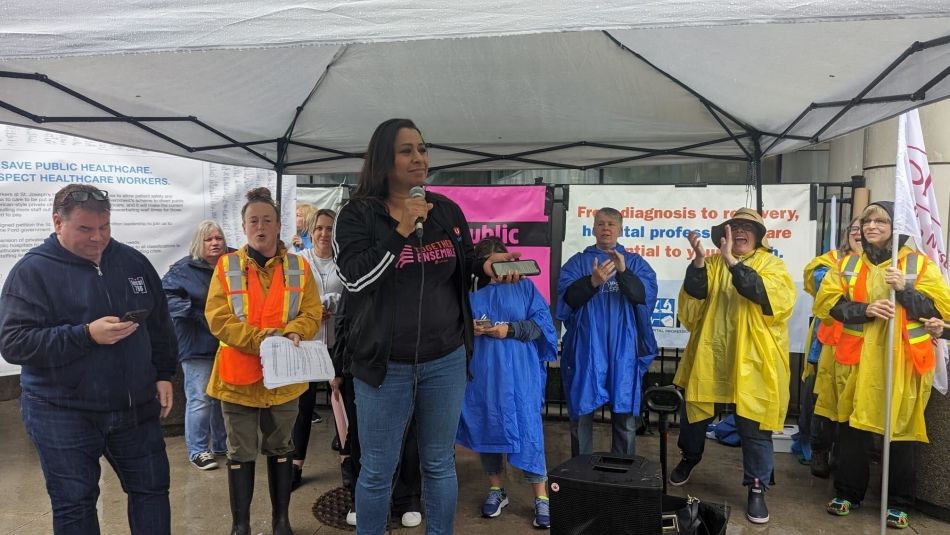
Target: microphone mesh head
[{"x": 417, "y": 191}]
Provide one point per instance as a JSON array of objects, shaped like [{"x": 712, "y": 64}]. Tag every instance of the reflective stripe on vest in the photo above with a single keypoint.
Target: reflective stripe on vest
[
  {"x": 919, "y": 345},
  {"x": 293, "y": 285},
  {"x": 236, "y": 285},
  {"x": 850, "y": 274}
]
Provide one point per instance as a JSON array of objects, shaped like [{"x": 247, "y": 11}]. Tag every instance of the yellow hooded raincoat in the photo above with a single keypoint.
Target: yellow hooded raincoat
[
  {"x": 828, "y": 260},
  {"x": 855, "y": 393},
  {"x": 225, "y": 326},
  {"x": 737, "y": 354}
]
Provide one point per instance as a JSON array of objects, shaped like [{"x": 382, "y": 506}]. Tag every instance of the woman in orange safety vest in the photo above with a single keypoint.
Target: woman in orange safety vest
[
  {"x": 856, "y": 293},
  {"x": 258, "y": 291}
]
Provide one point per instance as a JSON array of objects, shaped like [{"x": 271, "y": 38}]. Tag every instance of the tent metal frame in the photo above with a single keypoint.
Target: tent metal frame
[{"x": 746, "y": 137}]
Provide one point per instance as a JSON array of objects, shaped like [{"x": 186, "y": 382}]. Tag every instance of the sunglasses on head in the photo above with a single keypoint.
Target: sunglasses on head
[{"x": 82, "y": 195}]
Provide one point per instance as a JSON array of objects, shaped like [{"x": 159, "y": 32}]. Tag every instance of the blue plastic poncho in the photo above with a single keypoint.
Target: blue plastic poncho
[
  {"x": 501, "y": 412},
  {"x": 609, "y": 342}
]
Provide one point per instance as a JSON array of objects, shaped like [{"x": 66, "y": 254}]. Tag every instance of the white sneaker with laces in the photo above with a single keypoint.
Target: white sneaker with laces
[
  {"x": 411, "y": 519},
  {"x": 351, "y": 517}
]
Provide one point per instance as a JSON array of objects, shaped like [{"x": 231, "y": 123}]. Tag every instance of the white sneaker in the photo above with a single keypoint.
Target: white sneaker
[
  {"x": 411, "y": 519},
  {"x": 351, "y": 518}
]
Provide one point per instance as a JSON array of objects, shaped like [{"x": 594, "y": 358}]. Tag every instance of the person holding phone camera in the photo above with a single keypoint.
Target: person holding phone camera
[
  {"x": 186, "y": 288},
  {"x": 605, "y": 297},
  {"x": 501, "y": 413},
  {"x": 259, "y": 291},
  {"x": 93, "y": 384}
]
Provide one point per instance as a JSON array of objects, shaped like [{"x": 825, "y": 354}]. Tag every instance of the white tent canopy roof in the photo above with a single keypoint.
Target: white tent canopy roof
[{"x": 603, "y": 84}]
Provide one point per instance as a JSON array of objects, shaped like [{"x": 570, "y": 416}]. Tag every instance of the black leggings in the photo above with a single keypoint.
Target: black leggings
[{"x": 304, "y": 422}]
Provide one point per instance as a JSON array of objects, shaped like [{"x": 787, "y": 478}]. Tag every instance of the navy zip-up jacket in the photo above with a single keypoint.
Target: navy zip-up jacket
[
  {"x": 48, "y": 297},
  {"x": 186, "y": 287}
]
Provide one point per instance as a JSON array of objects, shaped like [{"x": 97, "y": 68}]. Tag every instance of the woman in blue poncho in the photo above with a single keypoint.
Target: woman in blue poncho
[{"x": 501, "y": 413}]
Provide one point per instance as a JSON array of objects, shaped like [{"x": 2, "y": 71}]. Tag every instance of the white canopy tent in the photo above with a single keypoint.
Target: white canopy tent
[{"x": 300, "y": 86}]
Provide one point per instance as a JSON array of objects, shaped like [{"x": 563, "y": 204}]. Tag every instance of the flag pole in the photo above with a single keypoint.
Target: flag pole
[{"x": 889, "y": 370}]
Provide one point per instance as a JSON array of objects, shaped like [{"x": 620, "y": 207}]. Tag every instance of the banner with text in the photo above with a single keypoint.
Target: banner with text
[
  {"x": 516, "y": 215},
  {"x": 657, "y": 219},
  {"x": 157, "y": 199}
]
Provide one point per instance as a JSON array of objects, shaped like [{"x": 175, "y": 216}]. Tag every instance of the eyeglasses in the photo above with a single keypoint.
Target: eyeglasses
[
  {"x": 854, "y": 228},
  {"x": 748, "y": 227},
  {"x": 875, "y": 222}
]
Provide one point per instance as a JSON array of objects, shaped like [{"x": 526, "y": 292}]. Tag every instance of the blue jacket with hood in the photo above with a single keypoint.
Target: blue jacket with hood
[
  {"x": 48, "y": 297},
  {"x": 186, "y": 287}
]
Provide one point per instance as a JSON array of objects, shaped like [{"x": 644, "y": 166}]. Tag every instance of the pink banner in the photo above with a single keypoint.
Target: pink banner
[{"x": 515, "y": 214}]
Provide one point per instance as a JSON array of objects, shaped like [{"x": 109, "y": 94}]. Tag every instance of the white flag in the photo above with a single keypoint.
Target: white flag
[{"x": 916, "y": 213}]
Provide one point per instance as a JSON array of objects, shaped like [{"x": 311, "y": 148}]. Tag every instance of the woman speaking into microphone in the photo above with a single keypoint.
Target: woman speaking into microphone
[{"x": 406, "y": 258}]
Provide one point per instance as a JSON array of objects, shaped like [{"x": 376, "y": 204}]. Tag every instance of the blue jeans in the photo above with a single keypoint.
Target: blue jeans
[
  {"x": 204, "y": 424},
  {"x": 757, "y": 453},
  {"x": 492, "y": 464},
  {"x": 382, "y": 416},
  {"x": 623, "y": 436},
  {"x": 70, "y": 443}
]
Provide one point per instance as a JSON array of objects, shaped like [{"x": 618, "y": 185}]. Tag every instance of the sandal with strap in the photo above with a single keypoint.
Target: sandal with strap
[
  {"x": 897, "y": 519},
  {"x": 841, "y": 507}
]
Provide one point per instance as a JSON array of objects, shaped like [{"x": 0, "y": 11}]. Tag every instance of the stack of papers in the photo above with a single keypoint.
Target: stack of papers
[{"x": 285, "y": 364}]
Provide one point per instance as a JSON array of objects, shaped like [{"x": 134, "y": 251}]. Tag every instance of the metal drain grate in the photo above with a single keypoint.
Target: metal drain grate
[{"x": 331, "y": 508}]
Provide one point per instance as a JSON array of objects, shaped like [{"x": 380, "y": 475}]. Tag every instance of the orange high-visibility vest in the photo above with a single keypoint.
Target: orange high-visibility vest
[
  {"x": 830, "y": 334},
  {"x": 249, "y": 303},
  {"x": 917, "y": 342}
]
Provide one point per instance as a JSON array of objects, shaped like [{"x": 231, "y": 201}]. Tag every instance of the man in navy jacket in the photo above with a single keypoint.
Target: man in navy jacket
[{"x": 93, "y": 383}]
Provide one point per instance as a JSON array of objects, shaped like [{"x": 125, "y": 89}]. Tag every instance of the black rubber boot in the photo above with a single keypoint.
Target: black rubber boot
[
  {"x": 280, "y": 474},
  {"x": 241, "y": 489},
  {"x": 756, "y": 510}
]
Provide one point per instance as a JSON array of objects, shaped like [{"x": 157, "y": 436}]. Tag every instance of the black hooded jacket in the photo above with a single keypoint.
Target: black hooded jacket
[{"x": 366, "y": 246}]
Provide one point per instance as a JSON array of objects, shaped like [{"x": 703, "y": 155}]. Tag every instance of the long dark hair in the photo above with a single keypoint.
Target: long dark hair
[{"x": 378, "y": 160}]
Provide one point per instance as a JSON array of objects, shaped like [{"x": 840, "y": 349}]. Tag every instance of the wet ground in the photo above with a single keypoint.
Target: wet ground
[{"x": 199, "y": 500}]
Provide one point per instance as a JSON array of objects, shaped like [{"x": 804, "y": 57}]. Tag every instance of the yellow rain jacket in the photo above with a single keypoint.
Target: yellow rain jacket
[
  {"x": 828, "y": 260},
  {"x": 737, "y": 354},
  {"x": 225, "y": 326},
  {"x": 856, "y": 393}
]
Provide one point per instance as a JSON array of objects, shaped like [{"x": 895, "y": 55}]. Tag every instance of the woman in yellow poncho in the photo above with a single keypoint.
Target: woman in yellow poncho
[
  {"x": 856, "y": 294},
  {"x": 815, "y": 436},
  {"x": 736, "y": 306}
]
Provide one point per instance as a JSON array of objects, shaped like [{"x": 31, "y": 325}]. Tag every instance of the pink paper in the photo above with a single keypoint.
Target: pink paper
[{"x": 339, "y": 416}]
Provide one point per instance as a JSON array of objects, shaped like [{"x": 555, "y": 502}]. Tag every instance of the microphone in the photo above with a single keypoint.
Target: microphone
[{"x": 418, "y": 192}]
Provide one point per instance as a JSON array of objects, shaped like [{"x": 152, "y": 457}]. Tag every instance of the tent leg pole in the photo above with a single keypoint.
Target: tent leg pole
[{"x": 757, "y": 172}]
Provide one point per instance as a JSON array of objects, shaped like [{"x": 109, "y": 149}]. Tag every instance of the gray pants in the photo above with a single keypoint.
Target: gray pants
[{"x": 276, "y": 424}]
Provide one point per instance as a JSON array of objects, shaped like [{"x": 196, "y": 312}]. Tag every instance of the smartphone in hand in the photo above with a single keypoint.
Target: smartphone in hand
[
  {"x": 527, "y": 268},
  {"x": 137, "y": 316}
]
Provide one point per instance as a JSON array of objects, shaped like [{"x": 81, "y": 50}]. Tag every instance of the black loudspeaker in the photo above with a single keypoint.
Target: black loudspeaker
[{"x": 605, "y": 494}]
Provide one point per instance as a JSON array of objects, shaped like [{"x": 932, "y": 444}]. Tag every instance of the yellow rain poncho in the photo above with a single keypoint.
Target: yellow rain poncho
[
  {"x": 737, "y": 354},
  {"x": 829, "y": 261},
  {"x": 856, "y": 393}
]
